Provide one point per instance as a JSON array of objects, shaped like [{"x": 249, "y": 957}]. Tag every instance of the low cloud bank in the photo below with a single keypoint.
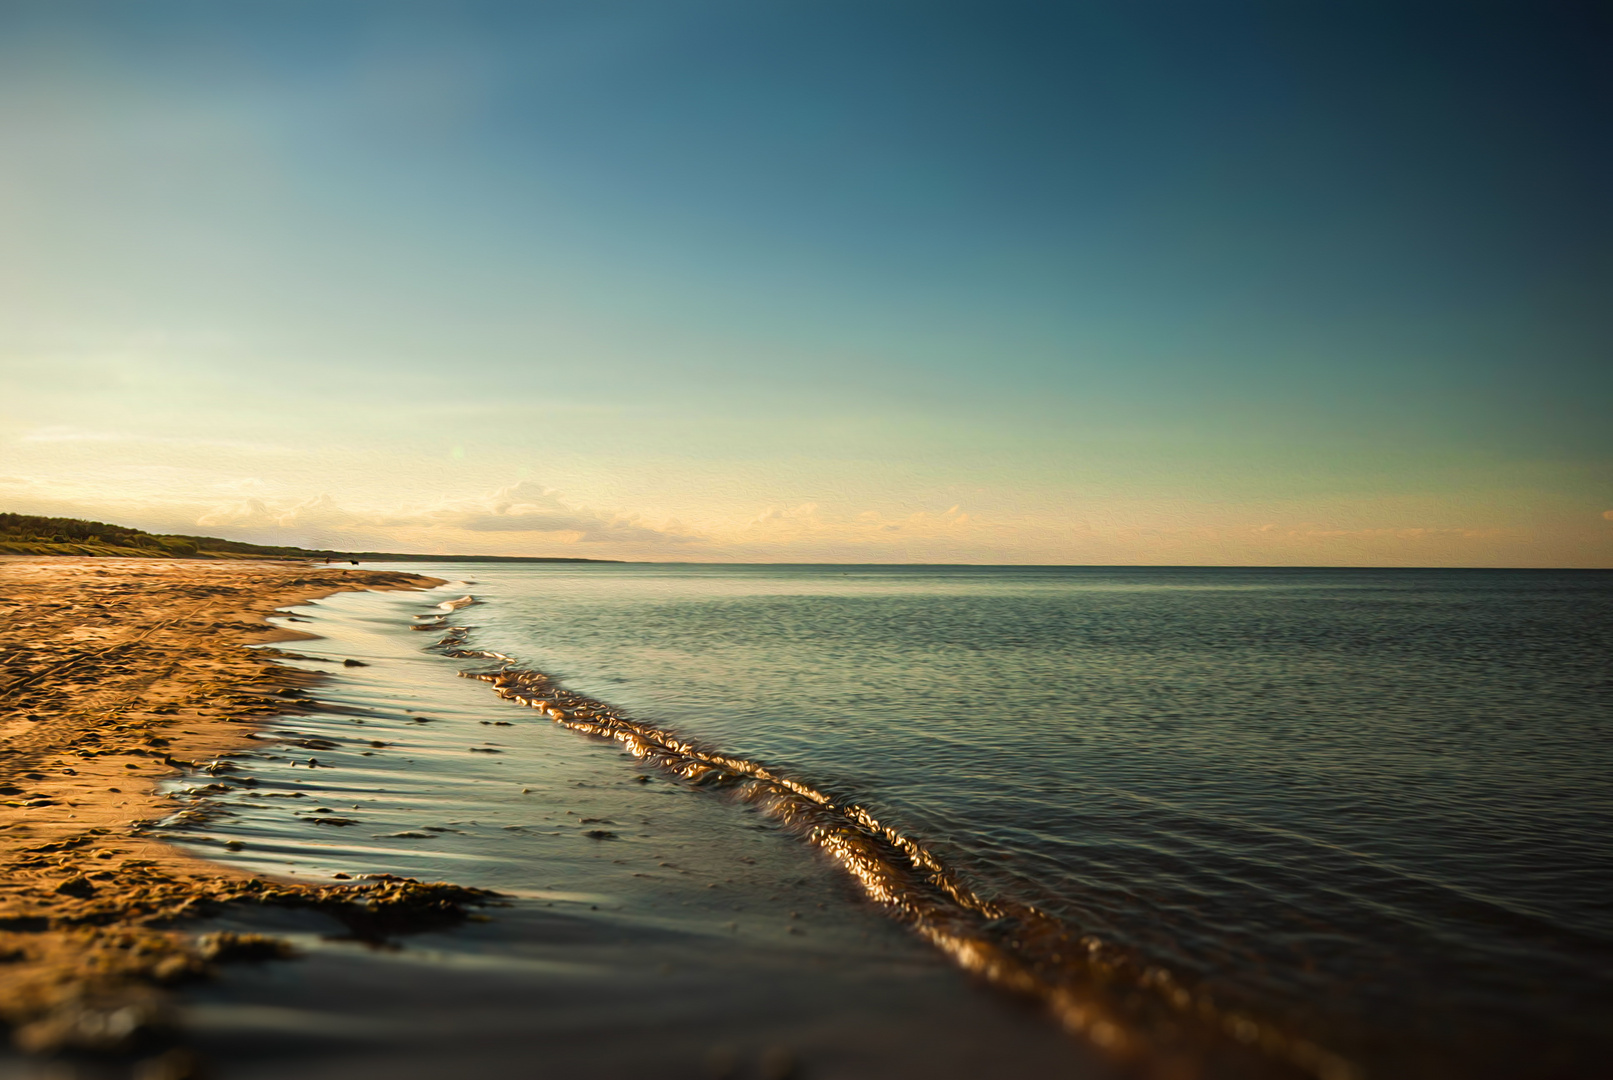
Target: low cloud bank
[
  {"x": 528, "y": 507},
  {"x": 525, "y": 508},
  {"x": 527, "y": 518}
]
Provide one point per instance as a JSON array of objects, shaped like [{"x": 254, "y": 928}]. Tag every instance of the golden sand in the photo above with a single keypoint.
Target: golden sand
[{"x": 114, "y": 674}]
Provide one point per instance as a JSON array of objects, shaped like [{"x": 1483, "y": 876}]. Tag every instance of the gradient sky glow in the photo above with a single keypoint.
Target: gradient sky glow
[{"x": 1079, "y": 283}]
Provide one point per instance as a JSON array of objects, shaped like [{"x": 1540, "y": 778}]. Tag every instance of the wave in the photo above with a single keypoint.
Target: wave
[
  {"x": 1138, "y": 1013},
  {"x": 437, "y": 617}
]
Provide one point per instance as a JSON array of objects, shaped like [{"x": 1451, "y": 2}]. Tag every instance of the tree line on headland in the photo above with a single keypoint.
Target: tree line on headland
[{"x": 28, "y": 534}]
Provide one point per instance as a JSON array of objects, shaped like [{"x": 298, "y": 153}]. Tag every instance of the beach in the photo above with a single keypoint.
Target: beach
[
  {"x": 808, "y": 821},
  {"x": 116, "y": 672},
  {"x": 139, "y": 936},
  {"x": 850, "y": 541}
]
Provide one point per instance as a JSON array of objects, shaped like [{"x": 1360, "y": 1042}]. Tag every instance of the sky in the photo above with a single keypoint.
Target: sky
[{"x": 1131, "y": 282}]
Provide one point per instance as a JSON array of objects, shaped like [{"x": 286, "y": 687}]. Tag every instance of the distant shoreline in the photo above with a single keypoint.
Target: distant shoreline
[
  {"x": 106, "y": 551},
  {"x": 383, "y": 556},
  {"x": 29, "y": 535},
  {"x": 15, "y": 550}
]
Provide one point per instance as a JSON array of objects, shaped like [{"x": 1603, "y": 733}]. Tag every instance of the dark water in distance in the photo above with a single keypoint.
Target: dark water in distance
[
  {"x": 1369, "y": 809},
  {"x": 1374, "y": 805}
]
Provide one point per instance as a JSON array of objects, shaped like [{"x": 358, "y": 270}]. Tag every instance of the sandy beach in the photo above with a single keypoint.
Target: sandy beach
[
  {"x": 182, "y": 785},
  {"x": 116, "y": 673}
]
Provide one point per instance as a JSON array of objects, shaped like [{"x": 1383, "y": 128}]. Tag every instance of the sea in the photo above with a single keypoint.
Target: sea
[{"x": 939, "y": 821}]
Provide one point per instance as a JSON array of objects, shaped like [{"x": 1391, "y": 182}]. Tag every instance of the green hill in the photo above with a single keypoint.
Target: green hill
[{"x": 26, "y": 534}]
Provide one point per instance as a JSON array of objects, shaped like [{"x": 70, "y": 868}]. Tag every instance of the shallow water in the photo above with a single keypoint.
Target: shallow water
[
  {"x": 1359, "y": 819},
  {"x": 697, "y": 939}
]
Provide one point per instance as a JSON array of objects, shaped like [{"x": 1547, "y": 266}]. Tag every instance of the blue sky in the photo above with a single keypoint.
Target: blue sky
[{"x": 1125, "y": 283}]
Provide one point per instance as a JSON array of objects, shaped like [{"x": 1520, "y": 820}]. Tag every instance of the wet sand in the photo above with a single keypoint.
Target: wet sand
[{"x": 115, "y": 674}]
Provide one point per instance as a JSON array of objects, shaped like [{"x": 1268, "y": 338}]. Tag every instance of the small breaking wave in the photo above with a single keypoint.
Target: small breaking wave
[
  {"x": 1137, "y": 1013},
  {"x": 436, "y": 618}
]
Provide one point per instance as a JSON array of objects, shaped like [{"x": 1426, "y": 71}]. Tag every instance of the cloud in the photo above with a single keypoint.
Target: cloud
[
  {"x": 523, "y": 508},
  {"x": 529, "y": 507},
  {"x": 246, "y": 513},
  {"x": 1309, "y": 532},
  {"x": 805, "y": 515},
  {"x": 921, "y": 522},
  {"x": 319, "y": 511},
  {"x": 810, "y": 523}
]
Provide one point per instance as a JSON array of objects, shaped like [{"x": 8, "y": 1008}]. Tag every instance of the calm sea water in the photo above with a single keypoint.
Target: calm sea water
[{"x": 1360, "y": 821}]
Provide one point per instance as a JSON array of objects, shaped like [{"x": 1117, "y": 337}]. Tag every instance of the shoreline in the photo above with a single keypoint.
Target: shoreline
[
  {"x": 620, "y": 887},
  {"x": 719, "y": 895},
  {"x": 1136, "y": 1014},
  {"x": 114, "y": 675}
]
